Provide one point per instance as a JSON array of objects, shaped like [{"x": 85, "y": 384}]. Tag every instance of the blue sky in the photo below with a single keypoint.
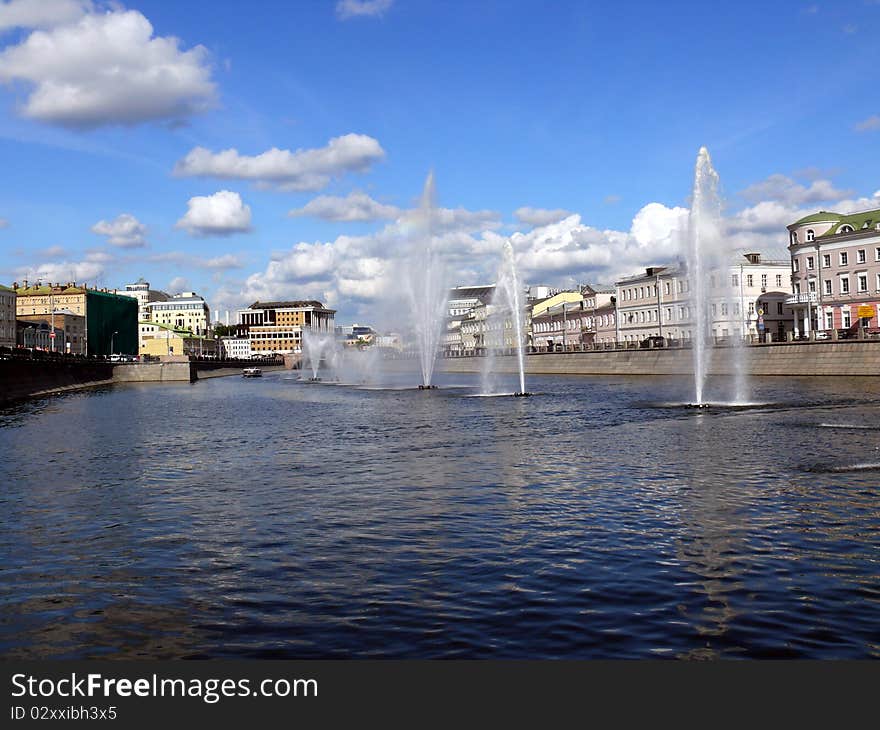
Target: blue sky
[{"x": 569, "y": 127}]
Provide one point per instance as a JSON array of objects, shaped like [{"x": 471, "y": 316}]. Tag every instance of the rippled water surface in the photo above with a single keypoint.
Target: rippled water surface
[{"x": 273, "y": 518}]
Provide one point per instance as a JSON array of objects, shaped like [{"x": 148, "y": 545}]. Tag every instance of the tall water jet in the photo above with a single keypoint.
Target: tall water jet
[
  {"x": 704, "y": 237},
  {"x": 426, "y": 285},
  {"x": 509, "y": 302},
  {"x": 319, "y": 347}
]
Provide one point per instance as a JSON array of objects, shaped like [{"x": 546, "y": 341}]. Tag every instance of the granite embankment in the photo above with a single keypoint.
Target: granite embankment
[
  {"x": 23, "y": 378},
  {"x": 849, "y": 358}
]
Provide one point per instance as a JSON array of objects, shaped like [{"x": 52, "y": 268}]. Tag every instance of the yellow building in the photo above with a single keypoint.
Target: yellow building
[
  {"x": 277, "y": 327},
  {"x": 162, "y": 339},
  {"x": 555, "y": 301}
]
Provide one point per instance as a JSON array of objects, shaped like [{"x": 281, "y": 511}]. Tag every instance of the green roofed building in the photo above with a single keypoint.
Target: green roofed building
[{"x": 111, "y": 319}]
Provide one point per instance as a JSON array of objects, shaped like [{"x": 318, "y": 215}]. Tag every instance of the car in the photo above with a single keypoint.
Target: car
[{"x": 654, "y": 341}]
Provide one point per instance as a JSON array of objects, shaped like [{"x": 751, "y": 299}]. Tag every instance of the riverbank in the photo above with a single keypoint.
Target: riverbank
[{"x": 818, "y": 359}]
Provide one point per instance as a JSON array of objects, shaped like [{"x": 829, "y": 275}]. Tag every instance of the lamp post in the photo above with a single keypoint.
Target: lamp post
[{"x": 115, "y": 332}]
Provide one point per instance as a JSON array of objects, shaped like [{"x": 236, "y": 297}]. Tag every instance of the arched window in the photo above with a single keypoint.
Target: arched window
[
  {"x": 846, "y": 228},
  {"x": 810, "y": 235},
  {"x": 794, "y": 237}
]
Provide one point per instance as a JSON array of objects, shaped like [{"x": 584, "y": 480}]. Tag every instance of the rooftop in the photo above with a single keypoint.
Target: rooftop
[
  {"x": 296, "y": 304},
  {"x": 861, "y": 220}
]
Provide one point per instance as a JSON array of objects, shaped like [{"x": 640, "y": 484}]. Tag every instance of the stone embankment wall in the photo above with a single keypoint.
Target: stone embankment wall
[
  {"x": 22, "y": 378},
  {"x": 855, "y": 357},
  {"x": 154, "y": 372}
]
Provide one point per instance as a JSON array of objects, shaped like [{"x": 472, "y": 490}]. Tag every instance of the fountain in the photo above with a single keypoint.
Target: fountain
[
  {"x": 704, "y": 228},
  {"x": 508, "y": 298},
  {"x": 426, "y": 286},
  {"x": 707, "y": 258},
  {"x": 317, "y": 347}
]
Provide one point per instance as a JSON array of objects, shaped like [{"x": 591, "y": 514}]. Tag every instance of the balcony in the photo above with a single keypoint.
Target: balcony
[{"x": 808, "y": 298}]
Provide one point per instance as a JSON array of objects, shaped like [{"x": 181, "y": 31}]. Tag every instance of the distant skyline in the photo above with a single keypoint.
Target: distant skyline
[{"x": 275, "y": 150}]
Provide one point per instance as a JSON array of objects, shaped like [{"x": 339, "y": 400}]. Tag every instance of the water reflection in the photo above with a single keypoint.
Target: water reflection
[{"x": 271, "y": 518}]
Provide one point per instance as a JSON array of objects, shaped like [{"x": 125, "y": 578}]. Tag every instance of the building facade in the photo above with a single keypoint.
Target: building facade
[
  {"x": 72, "y": 329},
  {"x": 835, "y": 271},
  {"x": 162, "y": 339},
  {"x": 7, "y": 316},
  {"x": 110, "y": 319},
  {"x": 235, "y": 348},
  {"x": 277, "y": 327},
  {"x": 184, "y": 311}
]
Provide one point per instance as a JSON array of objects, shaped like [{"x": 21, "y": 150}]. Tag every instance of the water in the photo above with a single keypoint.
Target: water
[
  {"x": 703, "y": 255},
  {"x": 426, "y": 285},
  {"x": 320, "y": 348},
  {"x": 508, "y": 297},
  {"x": 270, "y": 518}
]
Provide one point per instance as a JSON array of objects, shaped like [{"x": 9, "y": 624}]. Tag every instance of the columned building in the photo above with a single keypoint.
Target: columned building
[
  {"x": 277, "y": 327},
  {"x": 835, "y": 271}
]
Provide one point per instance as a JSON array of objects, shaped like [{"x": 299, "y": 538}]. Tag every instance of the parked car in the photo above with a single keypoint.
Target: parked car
[{"x": 654, "y": 341}]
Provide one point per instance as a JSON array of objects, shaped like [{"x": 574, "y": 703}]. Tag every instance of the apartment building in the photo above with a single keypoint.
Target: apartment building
[
  {"x": 277, "y": 327},
  {"x": 835, "y": 271}
]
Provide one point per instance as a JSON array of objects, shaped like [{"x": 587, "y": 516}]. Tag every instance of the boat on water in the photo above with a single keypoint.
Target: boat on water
[{"x": 251, "y": 373}]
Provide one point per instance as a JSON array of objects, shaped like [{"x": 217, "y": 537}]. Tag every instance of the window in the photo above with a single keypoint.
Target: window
[
  {"x": 778, "y": 307},
  {"x": 863, "y": 282},
  {"x": 751, "y": 308},
  {"x": 847, "y": 322},
  {"x": 811, "y": 285},
  {"x": 750, "y": 280},
  {"x": 724, "y": 309},
  {"x": 734, "y": 278},
  {"x": 828, "y": 287},
  {"x": 667, "y": 287},
  {"x": 714, "y": 310},
  {"x": 846, "y": 228},
  {"x": 844, "y": 258},
  {"x": 779, "y": 280},
  {"x": 794, "y": 237},
  {"x": 764, "y": 280},
  {"x": 679, "y": 286},
  {"x": 810, "y": 234},
  {"x": 860, "y": 256},
  {"x": 844, "y": 285},
  {"x": 810, "y": 262},
  {"x": 877, "y": 254},
  {"x": 826, "y": 259},
  {"x": 796, "y": 264}
]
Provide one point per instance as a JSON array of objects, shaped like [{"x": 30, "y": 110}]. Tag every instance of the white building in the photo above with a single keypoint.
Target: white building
[
  {"x": 235, "y": 348},
  {"x": 184, "y": 311},
  {"x": 7, "y": 317}
]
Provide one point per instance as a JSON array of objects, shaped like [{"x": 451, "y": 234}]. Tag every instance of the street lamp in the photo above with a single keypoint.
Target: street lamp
[{"x": 111, "y": 341}]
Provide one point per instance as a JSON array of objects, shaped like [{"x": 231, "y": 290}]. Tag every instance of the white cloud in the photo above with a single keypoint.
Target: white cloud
[
  {"x": 124, "y": 231},
  {"x": 303, "y": 170},
  {"x": 179, "y": 284},
  {"x": 220, "y": 214},
  {"x": 212, "y": 263},
  {"x": 108, "y": 68},
  {"x": 347, "y": 9},
  {"x": 83, "y": 272},
  {"x": 356, "y": 206},
  {"x": 785, "y": 190},
  {"x": 871, "y": 124},
  {"x": 540, "y": 216},
  {"x": 41, "y": 13}
]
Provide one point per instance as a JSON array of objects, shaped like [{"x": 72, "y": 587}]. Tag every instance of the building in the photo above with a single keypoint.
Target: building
[
  {"x": 186, "y": 311},
  {"x": 277, "y": 327},
  {"x": 745, "y": 299},
  {"x": 235, "y": 348},
  {"x": 162, "y": 339},
  {"x": 38, "y": 335},
  {"x": 7, "y": 317},
  {"x": 110, "y": 319},
  {"x": 835, "y": 271},
  {"x": 72, "y": 330}
]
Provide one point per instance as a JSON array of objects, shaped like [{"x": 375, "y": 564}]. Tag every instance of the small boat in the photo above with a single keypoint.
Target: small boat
[{"x": 252, "y": 373}]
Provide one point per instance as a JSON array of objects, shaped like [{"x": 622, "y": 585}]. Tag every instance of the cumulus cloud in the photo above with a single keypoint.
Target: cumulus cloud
[
  {"x": 540, "y": 216},
  {"x": 90, "y": 272},
  {"x": 302, "y": 170},
  {"x": 108, "y": 68},
  {"x": 220, "y": 214},
  {"x": 785, "y": 190},
  {"x": 348, "y": 9},
  {"x": 356, "y": 206},
  {"x": 124, "y": 231},
  {"x": 871, "y": 124},
  {"x": 41, "y": 13}
]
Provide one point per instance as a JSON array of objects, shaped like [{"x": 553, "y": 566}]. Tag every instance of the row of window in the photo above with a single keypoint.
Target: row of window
[
  {"x": 842, "y": 259},
  {"x": 574, "y": 324},
  {"x": 843, "y": 285}
]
